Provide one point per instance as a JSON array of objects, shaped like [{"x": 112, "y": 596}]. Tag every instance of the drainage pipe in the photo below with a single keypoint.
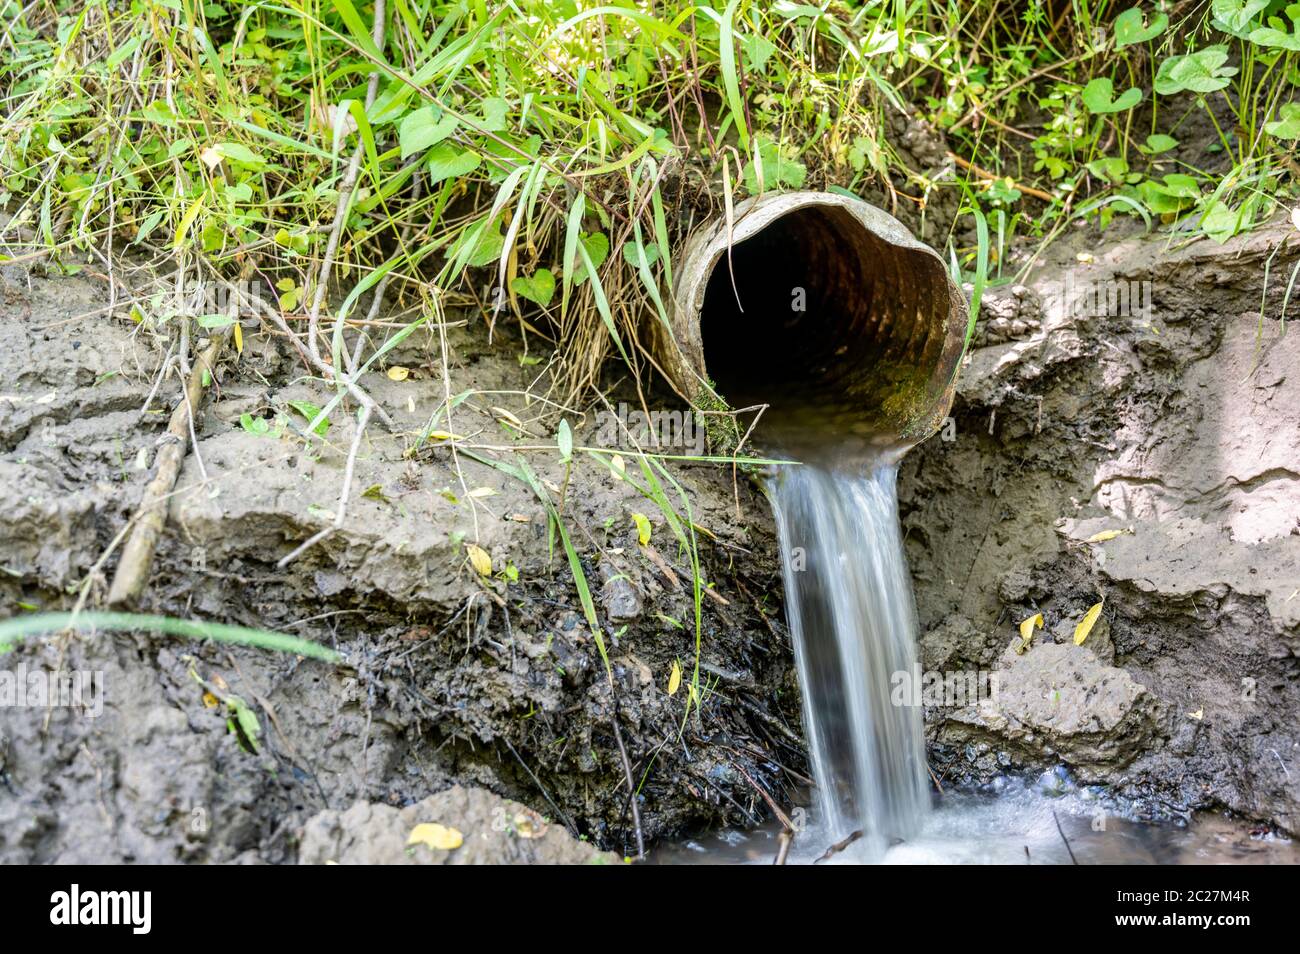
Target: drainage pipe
[{"x": 826, "y": 309}]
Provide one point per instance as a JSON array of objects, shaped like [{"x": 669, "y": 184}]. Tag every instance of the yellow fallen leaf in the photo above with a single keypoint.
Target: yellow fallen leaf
[
  {"x": 674, "y": 679},
  {"x": 444, "y": 436},
  {"x": 480, "y": 559},
  {"x": 1105, "y": 535},
  {"x": 436, "y": 836},
  {"x": 239, "y": 338},
  {"x": 642, "y": 528},
  {"x": 1087, "y": 623},
  {"x": 210, "y": 701},
  {"x": 618, "y": 466},
  {"x": 398, "y": 373},
  {"x": 1027, "y": 631},
  {"x": 505, "y": 417},
  {"x": 482, "y": 492},
  {"x": 705, "y": 530}
]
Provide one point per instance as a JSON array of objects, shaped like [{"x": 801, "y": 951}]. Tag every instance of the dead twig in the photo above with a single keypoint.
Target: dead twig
[
  {"x": 1073, "y": 860},
  {"x": 627, "y": 768},
  {"x": 137, "y": 554},
  {"x": 992, "y": 176},
  {"x": 839, "y": 846},
  {"x": 783, "y": 842}
]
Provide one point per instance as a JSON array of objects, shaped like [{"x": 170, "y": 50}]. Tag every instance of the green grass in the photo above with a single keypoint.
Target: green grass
[
  {"x": 561, "y": 150},
  {"x": 16, "y": 630}
]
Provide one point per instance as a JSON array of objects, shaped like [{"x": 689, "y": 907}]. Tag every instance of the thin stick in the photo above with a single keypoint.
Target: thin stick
[
  {"x": 1073, "y": 860},
  {"x": 627, "y": 768},
  {"x": 340, "y": 514},
  {"x": 545, "y": 794},
  {"x": 783, "y": 841},
  {"x": 991, "y": 176},
  {"x": 137, "y": 554},
  {"x": 346, "y": 188},
  {"x": 839, "y": 846}
]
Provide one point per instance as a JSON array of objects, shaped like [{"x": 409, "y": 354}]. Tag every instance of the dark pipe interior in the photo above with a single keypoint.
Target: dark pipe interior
[{"x": 858, "y": 357}]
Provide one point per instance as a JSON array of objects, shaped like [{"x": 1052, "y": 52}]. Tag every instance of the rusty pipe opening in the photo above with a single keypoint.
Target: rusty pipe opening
[{"x": 827, "y": 310}]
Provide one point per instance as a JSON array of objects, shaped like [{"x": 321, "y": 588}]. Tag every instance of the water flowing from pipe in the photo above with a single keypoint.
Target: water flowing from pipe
[{"x": 853, "y": 622}]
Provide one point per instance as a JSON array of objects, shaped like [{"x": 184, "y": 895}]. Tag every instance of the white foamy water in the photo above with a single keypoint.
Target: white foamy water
[{"x": 853, "y": 622}]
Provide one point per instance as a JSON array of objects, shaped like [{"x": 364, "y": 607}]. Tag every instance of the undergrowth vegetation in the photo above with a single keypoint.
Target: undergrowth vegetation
[{"x": 538, "y": 162}]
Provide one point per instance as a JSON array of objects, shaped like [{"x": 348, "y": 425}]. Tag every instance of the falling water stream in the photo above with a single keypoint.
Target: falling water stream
[
  {"x": 827, "y": 314},
  {"x": 852, "y": 619},
  {"x": 853, "y": 624}
]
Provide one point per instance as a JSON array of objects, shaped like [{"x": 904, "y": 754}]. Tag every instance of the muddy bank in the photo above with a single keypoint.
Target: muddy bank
[
  {"x": 1148, "y": 459},
  {"x": 452, "y": 677},
  {"x": 1175, "y": 428}
]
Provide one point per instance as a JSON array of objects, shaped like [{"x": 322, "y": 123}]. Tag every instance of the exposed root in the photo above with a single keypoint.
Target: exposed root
[{"x": 340, "y": 513}]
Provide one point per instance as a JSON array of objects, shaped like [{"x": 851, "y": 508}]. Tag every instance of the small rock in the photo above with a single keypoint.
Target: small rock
[
  {"x": 1060, "y": 698},
  {"x": 619, "y": 597},
  {"x": 494, "y": 831}
]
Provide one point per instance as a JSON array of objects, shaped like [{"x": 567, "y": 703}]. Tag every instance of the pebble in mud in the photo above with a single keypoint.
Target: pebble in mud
[{"x": 620, "y": 598}]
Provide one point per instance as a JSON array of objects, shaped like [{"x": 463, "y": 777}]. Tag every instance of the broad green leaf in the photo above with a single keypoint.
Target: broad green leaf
[
  {"x": 758, "y": 50},
  {"x": 479, "y": 244},
  {"x": 1287, "y": 125},
  {"x": 1220, "y": 222},
  {"x": 1099, "y": 94},
  {"x": 632, "y": 253},
  {"x": 424, "y": 128},
  {"x": 596, "y": 246},
  {"x": 238, "y": 152},
  {"x": 1200, "y": 72},
  {"x": 538, "y": 287},
  {"x": 257, "y": 426},
  {"x": 1130, "y": 27},
  {"x": 1158, "y": 143},
  {"x": 311, "y": 412},
  {"x": 1234, "y": 16},
  {"x": 495, "y": 111},
  {"x": 1112, "y": 169},
  {"x": 1276, "y": 34},
  {"x": 771, "y": 169},
  {"x": 449, "y": 162},
  {"x": 243, "y": 722}
]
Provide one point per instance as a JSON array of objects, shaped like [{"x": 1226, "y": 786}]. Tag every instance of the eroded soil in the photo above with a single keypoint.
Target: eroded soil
[
  {"x": 1178, "y": 428},
  {"x": 451, "y": 677}
]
